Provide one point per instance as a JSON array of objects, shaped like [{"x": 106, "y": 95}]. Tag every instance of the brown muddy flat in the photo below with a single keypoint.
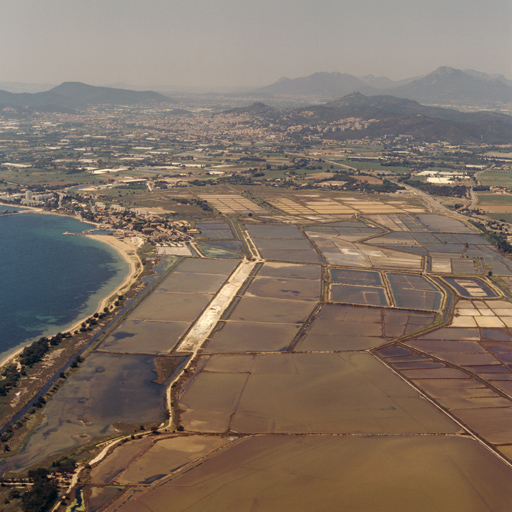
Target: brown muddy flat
[
  {"x": 145, "y": 337},
  {"x": 100, "y": 497},
  {"x": 303, "y": 393},
  {"x": 275, "y": 231},
  {"x": 106, "y": 389},
  {"x": 415, "y": 365},
  {"x": 461, "y": 359},
  {"x": 473, "y": 403},
  {"x": 171, "y": 307},
  {"x": 494, "y": 425},
  {"x": 355, "y": 259},
  {"x": 492, "y": 367},
  {"x": 340, "y": 336},
  {"x": 437, "y": 373},
  {"x": 255, "y": 309},
  {"x": 355, "y": 277},
  {"x": 206, "y": 266},
  {"x": 326, "y": 474},
  {"x": 280, "y": 288},
  {"x": 210, "y": 401},
  {"x": 414, "y": 291},
  {"x": 448, "y": 346},
  {"x": 505, "y": 386},
  {"x": 230, "y": 364},
  {"x": 406, "y": 359},
  {"x": 351, "y": 313},
  {"x": 461, "y": 393},
  {"x": 494, "y": 376},
  {"x": 341, "y": 328},
  {"x": 410, "y": 282},
  {"x": 289, "y": 271},
  {"x": 498, "y": 347},
  {"x": 453, "y": 333},
  {"x": 399, "y": 322},
  {"x": 167, "y": 455},
  {"x": 119, "y": 460},
  {"x": 418, "y": 299},
  {"x": 506, "y": 450},
  {"x": 292, "y": 244},
  {"x": 456, "y": 388},
  {"x": 292, "y": 256},
  {"x": 441, "y": 223},
  {"x": 187, "y": 282},
  {"x": 336, "y": 342},
  {"x": 345, "y": 328},
  {"x": 365, "y": 295},
  {"x": 251, "y": 337}
]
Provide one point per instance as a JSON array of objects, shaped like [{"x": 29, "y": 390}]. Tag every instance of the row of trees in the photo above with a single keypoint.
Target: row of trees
[
  {"x": 439, "y": 190},
  {"x": 497, "y": 239},
  {"x": 43, "y": 493}
]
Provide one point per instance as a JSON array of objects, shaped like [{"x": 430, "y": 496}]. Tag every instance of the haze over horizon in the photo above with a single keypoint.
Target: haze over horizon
[{"x": 231, "y": 43}]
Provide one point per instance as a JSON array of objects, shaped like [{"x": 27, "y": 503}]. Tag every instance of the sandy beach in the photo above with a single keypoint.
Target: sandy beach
[{"x": 129, "y": 254}]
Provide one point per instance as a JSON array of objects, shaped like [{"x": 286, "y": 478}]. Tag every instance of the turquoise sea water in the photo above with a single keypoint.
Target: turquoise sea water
[{"x": 49, "y": 280}]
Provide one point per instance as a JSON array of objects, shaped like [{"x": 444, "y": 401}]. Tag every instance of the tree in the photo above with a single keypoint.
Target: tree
[{"x": 42, "y": 494}]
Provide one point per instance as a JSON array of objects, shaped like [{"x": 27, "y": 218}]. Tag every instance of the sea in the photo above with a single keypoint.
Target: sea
[{"x": 49, "y": 280}]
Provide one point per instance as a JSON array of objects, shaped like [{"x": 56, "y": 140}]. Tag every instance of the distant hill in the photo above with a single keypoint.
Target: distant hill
[
  {"x": 325, "y": 85},
  {"x": 486, "y": 76},
  {"x": 79, "y": 95},
  {"x": 359, "y": 105},
  {"x": 34, "y": 100},
  {"x": 452, "y": 86},
  {"x": 257, "y": 108},
  {"x": 23, "y": 87},
  {"x": 379, "y": 116},
  {"x": 444, "y": 86},
  {"x": 396, "y": 116},
  {"x": 383, "y": 82}
]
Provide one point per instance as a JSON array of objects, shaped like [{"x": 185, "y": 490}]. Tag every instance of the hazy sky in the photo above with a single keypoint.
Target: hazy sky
[{"x": 211, "y": 43}]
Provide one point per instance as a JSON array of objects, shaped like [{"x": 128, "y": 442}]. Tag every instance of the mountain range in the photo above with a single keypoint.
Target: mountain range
[
  {"x": 356, "y": 116},
  {"x": 444, "y": 86}
]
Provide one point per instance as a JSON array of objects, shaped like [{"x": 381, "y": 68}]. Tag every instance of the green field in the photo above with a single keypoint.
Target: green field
[
  {"x": 497, "y": 178},
  {"x": 485, "y": 198},
  {"x": 286, "y": 173},
  {"x": 45, "y": 177},
  {"x": 365, "y": 147},
  {"x": 376, "y": 166},
  {"x": 507, "y": 217}
]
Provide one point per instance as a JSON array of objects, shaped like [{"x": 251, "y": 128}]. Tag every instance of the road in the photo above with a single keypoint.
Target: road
[
  {"x": 434, "y": 204},
  {"x": 474, "y": 197},
  {"x": 209, "y": 318}
]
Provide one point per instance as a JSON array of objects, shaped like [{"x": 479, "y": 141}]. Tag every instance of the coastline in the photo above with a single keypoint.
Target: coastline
[{"x": 127, "y": 252}]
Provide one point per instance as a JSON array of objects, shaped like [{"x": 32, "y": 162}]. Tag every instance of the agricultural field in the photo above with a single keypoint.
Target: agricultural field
[
  {"x": 494, "y": 203},
  {"x": 497, "y": 178}
]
